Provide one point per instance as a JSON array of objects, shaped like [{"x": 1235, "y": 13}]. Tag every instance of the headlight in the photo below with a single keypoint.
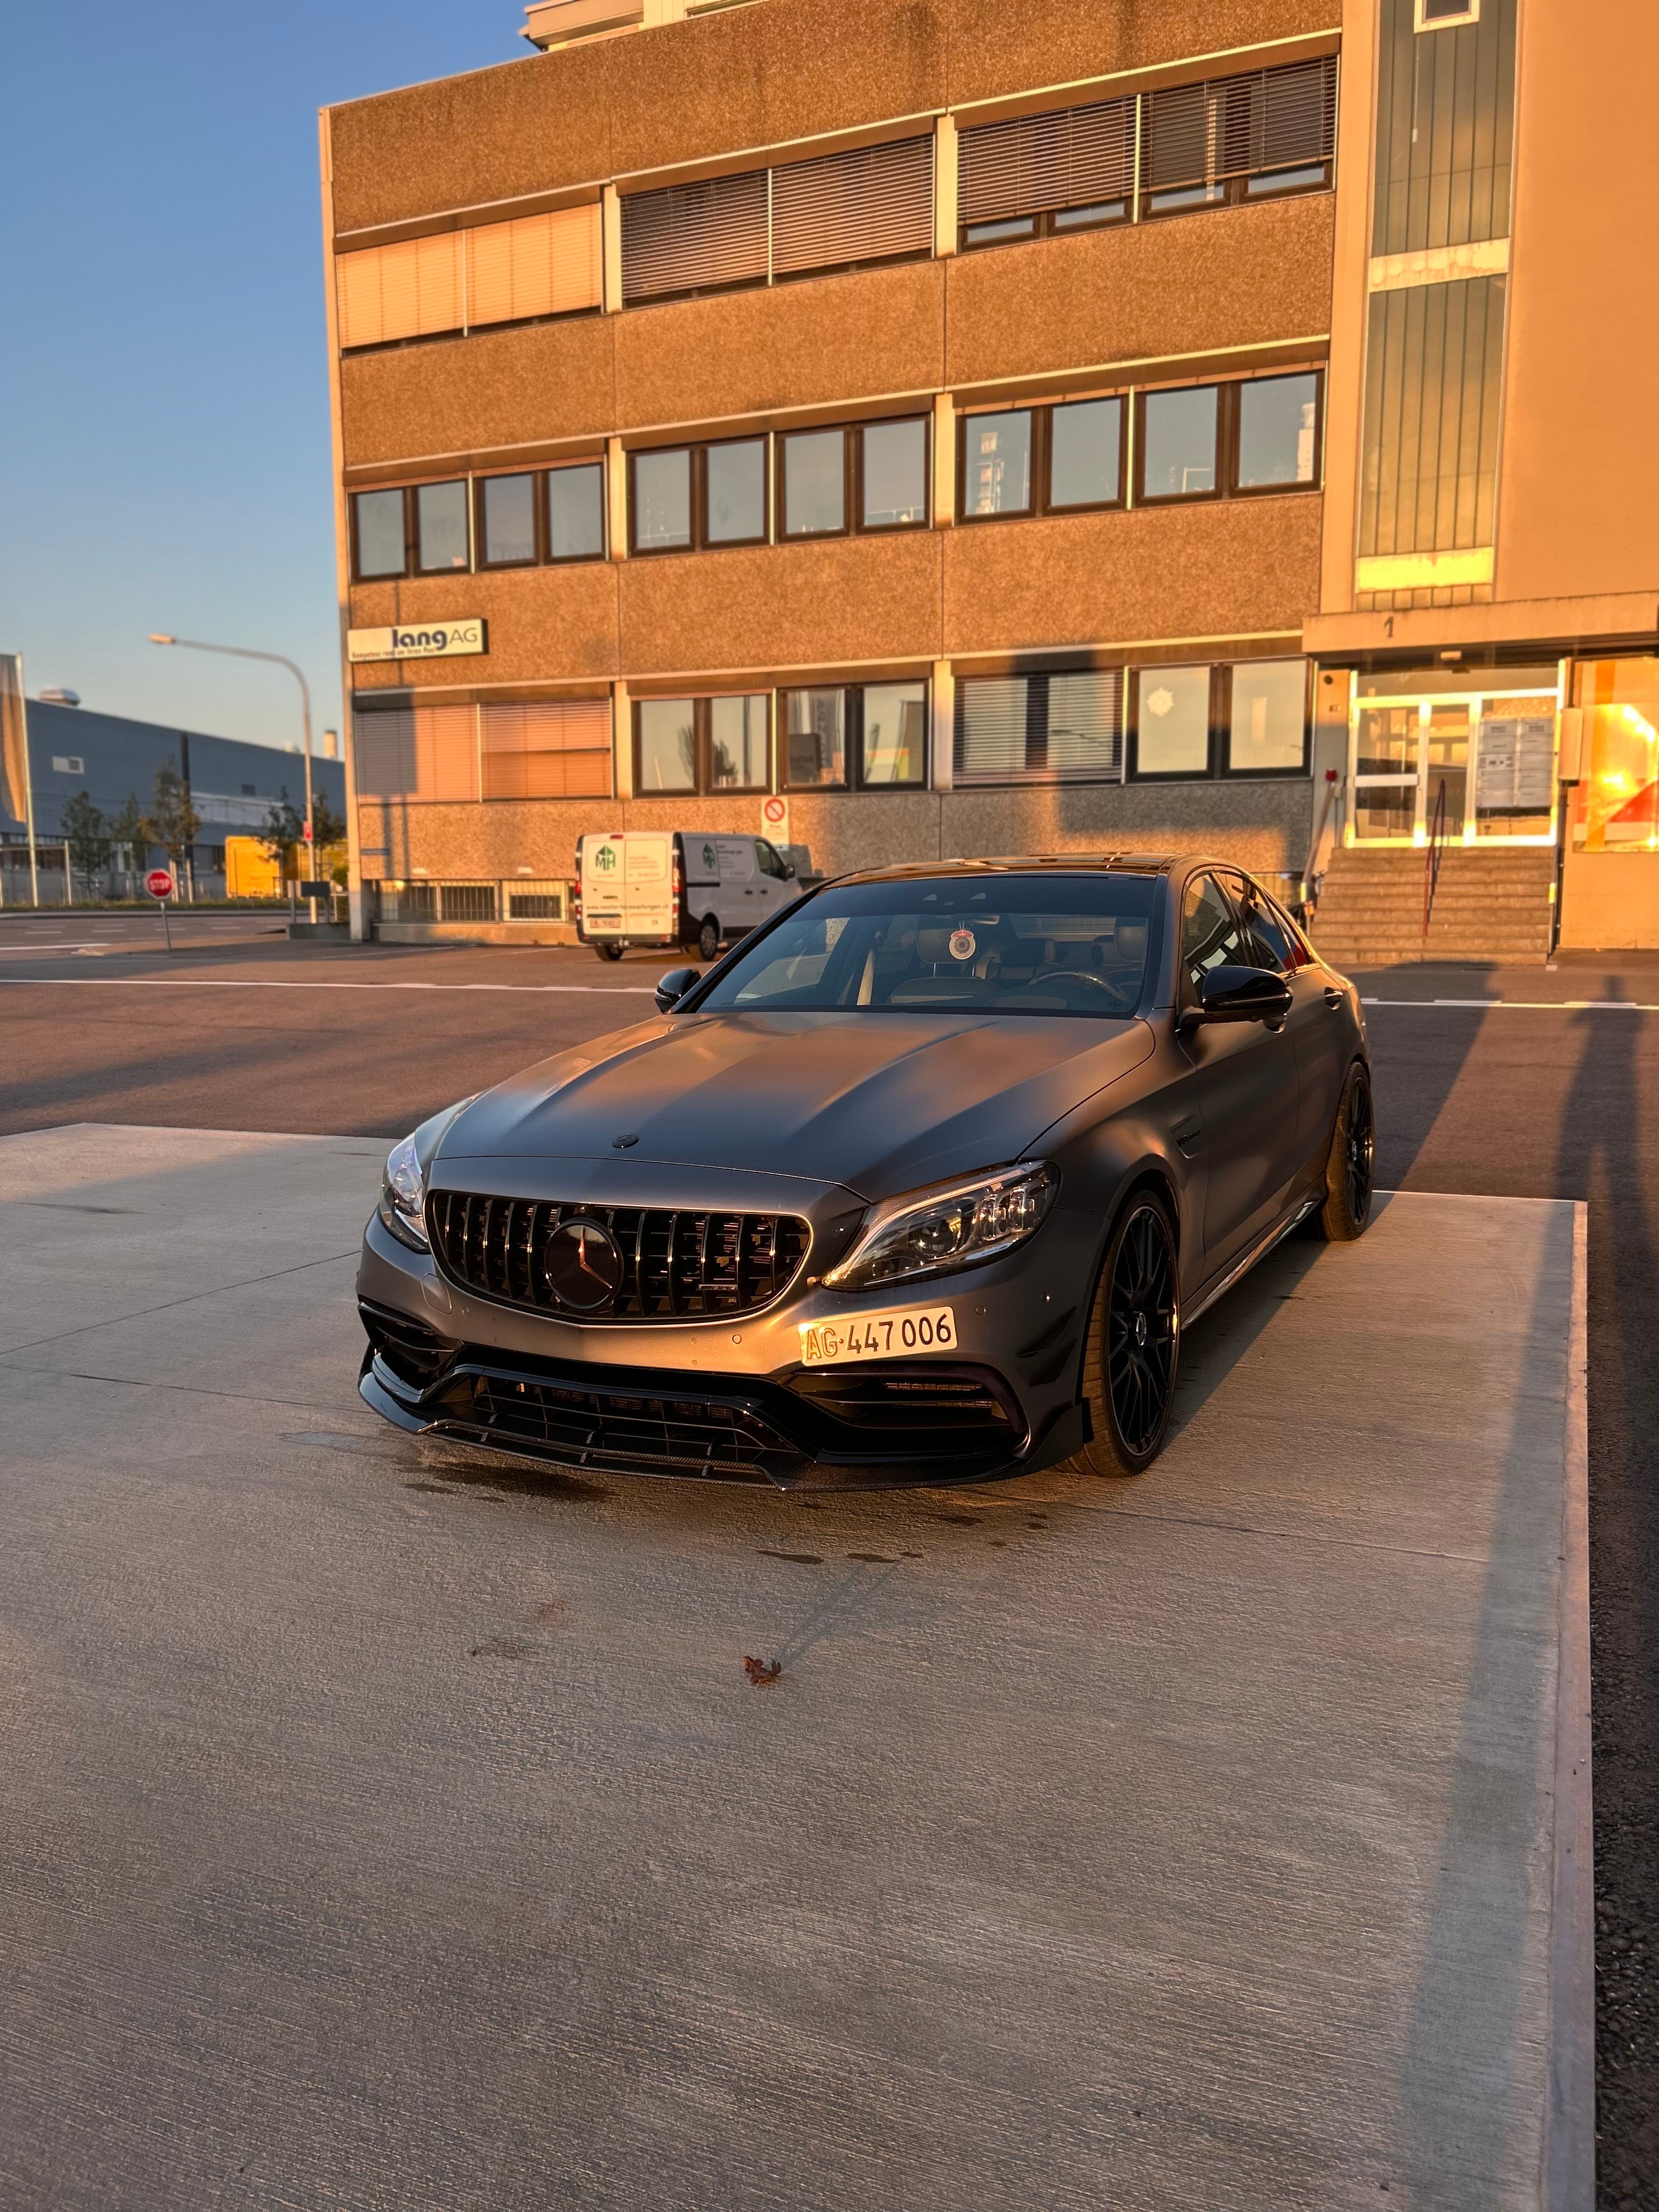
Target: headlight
[
  {"x": 941, "y": 1229},
  {"x": 403, "y": 1196}
]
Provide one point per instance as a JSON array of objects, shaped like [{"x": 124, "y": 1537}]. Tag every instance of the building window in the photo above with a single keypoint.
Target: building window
[
  {"x": 1064, "y": 726},
  {"x": 1227, "y": 441},
  {"x": 1043, "y": 175},
  {"x": 694, "y": 496},
  {"x": 441, "y": 531},
  {"x": 1445, "y": 126},
  {"x": 575, "y": 513},
  {"x": 893, "y": 474},
  {"x": 530, "y": 269},
  {"x": 835, "y": 211},
  {"x": 1442, "y": 14},
  {"x": 506, "y": 522},
  {"x": 1042, "y": 460},
  {"x": 815, "y": 739},
  {"x": 701, "y": 745},
  {"x": 814, "y": 484},
  {"x": 870, "y": 737},
  {"x": 892, "y": 734},
  {"x": 516, "y": 521},
  {"x": 1239, "y": 138},
  {"x": 1250, "y": 718},
  {"x": 382, "y": 546},
  {"x": 530, "y": 749}
]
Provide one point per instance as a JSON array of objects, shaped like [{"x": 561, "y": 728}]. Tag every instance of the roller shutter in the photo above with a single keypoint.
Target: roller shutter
[
  {"x": 418, "y": 753},
  {"x": 546, "y": 749},
  {"x": 874, "y": 204},
  {"x": 1061, "y": 728},
  {"x": 1239, "y": 126},
  {"x": 702, "y": 237},
  {"x": 1037, "y": 164},
  {"x": 409, "y": 290},
  {"x": 538, "y": 265}
]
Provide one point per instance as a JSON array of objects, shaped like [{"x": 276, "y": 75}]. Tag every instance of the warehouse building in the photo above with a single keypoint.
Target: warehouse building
[
  {"x": 928, "y": 427},
  {"x": 113, "y": 759}
]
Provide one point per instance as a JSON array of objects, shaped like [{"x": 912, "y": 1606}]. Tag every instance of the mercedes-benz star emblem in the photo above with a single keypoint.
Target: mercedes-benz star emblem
[{"x": 584, "y": 1268}]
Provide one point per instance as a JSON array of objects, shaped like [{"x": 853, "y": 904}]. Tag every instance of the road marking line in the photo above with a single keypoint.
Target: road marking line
[
  {"x": 1531, "y": 1006},
  {"x": 259, "y": 983}
]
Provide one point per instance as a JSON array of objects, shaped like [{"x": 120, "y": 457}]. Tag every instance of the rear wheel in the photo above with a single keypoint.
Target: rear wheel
[
  {"x": 609, "y": 951},
  {"x": 1347, "y": 1207},
  {"x": 708, "y": 937},
  {"x": 1134, "y": 1345}
]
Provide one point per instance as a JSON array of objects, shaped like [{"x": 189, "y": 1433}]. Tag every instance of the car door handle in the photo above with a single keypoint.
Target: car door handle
[{"x": 1333, "y": 998}]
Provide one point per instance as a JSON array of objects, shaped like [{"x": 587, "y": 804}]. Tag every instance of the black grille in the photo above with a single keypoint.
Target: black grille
[
  {"x": 619, "y": 1431},
  {"x": 673, "y": 1265},
  {"x": 415, "y": 1354},
  {"x": 918, "y": 1407}
]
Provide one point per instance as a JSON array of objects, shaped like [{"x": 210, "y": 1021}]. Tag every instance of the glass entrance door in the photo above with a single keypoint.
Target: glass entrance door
[{"x": 1479, "y": 761}]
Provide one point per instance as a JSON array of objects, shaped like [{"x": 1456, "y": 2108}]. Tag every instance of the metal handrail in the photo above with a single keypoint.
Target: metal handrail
[{"x": 1437, "y": 848}]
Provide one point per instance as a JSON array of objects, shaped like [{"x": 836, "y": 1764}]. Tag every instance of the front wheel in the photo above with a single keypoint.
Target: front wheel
[
  {"x": 708, "y": 937},
  {"x": 1347, "y": 1207},
  {"x": 609, "y": 951},
  {"x": 1134, "y": 1345}
]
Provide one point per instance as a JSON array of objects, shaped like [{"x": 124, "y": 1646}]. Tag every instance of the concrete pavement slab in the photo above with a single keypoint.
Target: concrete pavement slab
[{"x": 382, "y": 1826}]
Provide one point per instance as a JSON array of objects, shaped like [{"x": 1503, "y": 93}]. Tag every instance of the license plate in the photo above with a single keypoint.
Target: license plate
[{"x": 895, "y": 1335}]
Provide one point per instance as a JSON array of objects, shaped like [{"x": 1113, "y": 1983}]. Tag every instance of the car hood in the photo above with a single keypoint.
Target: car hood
[{"x": 878, "y": 1104}]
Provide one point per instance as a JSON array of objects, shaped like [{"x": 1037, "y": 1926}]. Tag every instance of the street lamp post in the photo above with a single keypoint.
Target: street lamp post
[{"x": 246, "y": 652}]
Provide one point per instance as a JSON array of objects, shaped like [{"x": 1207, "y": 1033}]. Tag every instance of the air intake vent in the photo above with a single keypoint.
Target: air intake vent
[{"x": 620, "y": 1263}]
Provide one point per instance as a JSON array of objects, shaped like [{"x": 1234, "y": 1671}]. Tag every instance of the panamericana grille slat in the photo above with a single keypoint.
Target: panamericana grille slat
[{"x": 673, "y": 1265}]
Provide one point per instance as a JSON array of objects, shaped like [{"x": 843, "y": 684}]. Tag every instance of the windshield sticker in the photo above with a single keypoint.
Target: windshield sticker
[{"x": 963, "y": 944}]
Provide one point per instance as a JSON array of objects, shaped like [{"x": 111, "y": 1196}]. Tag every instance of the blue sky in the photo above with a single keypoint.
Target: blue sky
[{"x": 164, "y": 445}]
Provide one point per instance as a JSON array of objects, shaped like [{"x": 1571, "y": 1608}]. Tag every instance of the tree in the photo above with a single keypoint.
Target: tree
[
  {"x": 326, "y": 826},
  {"x": 87, "y": 836},
  {"x": 285, "y": 828},
  {"x": 172, "y": 822},
  {"x": 125, "y": 831}
]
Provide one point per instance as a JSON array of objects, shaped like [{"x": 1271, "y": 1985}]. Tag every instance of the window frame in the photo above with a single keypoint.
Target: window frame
[
  {"x": 481, "y": 560},
  {"x": 697, "y": 451},
  {"x": 858, "y": 526},
  {"x": 1041, "y": 500},
  {"x": 1045, "y": 222},
  {"x": 702, "y": 786},
  {"x": 412, "y": 526},
  {"x": 1219, "y": 768},
  {"x": 1422, "y": 21},
  {"x": 383, "y": 575},
  {"x": 1229, "y": 404},
  {"x": 549, "y": 558},
  {"x": 1234, "y": 190},
  {"x": 782, "y": 535},
  {"x": 852, "y": 712}
]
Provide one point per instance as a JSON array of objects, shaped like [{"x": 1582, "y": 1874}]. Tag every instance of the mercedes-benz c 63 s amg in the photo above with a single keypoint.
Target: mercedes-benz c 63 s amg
[{"x": 921, "y": 1184}]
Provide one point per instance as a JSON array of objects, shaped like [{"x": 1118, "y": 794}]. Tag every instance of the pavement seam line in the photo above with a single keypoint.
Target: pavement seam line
[{"x": 218, "y": 1290}]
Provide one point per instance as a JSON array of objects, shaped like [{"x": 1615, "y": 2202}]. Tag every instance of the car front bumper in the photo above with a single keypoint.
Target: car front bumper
[{"x": 730, "y": 1400}]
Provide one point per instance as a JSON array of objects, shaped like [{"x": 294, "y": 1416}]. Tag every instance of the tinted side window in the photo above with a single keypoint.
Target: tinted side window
[
  {"x": 1210, "y": 933},
  {"x": 1269, "y": 935}
]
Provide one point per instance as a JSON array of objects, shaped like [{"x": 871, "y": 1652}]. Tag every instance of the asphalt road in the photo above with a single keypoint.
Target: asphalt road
[{"x": 1520, "y": 1094}]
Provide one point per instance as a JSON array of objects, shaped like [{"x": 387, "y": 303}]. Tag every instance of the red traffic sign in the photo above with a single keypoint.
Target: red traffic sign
[{"x": 159, "y": 884}]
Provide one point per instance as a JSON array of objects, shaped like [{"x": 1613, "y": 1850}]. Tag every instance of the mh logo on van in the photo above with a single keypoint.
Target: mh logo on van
[{"x": 441, "y": 640}]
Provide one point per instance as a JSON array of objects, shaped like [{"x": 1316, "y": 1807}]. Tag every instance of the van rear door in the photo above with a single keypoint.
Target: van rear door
[
  {"x": 600, "y": 860},
  {"x": 648, "y": 887}
]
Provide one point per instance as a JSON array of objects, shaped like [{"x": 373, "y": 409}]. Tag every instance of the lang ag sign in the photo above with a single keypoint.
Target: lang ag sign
[{"x": 437, "y": 641}]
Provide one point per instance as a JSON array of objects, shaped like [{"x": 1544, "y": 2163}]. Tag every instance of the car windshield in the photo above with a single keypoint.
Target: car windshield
[{"x": 1006, "y": 945}]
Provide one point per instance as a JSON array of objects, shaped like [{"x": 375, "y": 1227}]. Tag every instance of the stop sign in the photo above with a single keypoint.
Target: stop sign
[{"x": 159, "y": 884}]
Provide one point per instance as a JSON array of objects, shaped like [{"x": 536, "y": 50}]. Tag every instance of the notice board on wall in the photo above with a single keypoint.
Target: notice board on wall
[{"x": 1516, "y": 771}]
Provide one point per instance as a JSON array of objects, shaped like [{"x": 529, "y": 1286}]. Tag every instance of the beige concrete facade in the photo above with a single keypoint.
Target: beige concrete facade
[{"x": 1226, "y": 294}]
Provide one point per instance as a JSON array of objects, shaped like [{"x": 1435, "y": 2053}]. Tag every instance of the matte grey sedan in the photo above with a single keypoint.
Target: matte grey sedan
[{"x": 921, "y": 1184}]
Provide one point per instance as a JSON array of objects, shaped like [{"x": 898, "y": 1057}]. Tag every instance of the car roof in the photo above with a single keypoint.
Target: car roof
[{"x": 1075, "y": 863}]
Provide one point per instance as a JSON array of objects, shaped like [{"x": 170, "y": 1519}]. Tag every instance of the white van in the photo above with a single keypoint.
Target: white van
[{"x": 676, "y": 887}]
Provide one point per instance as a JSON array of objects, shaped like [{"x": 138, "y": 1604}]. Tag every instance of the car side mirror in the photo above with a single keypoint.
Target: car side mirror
[
  {"x": 789, "y": 872},
  {"x": 673, "y": 986},
  {"x": 1240, "y": 994}
]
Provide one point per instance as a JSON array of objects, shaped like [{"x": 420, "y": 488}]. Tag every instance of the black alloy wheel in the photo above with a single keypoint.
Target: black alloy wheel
[
  {"x": 1349, "y": 1166},
  {"x": 708, "y": 937},
  {"x": 1134, "y": 1343}
]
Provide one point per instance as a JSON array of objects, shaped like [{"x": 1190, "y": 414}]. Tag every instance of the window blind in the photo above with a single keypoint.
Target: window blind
[
  {"x": 1236, "y": 126},
  {"x": 874, "y": 203},
  {"x": 407, "y": 290},
  {"x": 538, "y": 265},
  {"x": 694, "y": 238},
  {"x": 1076, "y": 157},
  {"x": 1063, "y": 728},
  {"x": 546, "y": 749},
  {"x": 418, "y": 752}
]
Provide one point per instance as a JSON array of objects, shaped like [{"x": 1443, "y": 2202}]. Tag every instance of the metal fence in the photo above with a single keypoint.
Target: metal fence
[{"x": 513, "y": 898}]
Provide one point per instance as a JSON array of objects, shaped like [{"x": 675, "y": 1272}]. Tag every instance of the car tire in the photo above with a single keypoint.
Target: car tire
[
  {"x": 1134, "y": 1345},
  {"x": 609, "y": 951},
  {"x": 1348, "y": 1165},
  {"x": 708, "y": 937}
]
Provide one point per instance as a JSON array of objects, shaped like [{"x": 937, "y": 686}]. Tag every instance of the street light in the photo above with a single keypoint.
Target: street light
[{"x": 246, "y": 652}]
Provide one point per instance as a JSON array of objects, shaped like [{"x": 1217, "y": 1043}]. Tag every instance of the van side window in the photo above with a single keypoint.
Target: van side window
[{"x": 770, "y": 865}]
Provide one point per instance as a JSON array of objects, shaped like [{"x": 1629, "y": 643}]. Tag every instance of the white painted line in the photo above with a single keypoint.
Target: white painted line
[
  {"x": 1531, "y": 1006},
  {"x": 258, "y": 983},
  {"x": 1570, "y": 2137}
]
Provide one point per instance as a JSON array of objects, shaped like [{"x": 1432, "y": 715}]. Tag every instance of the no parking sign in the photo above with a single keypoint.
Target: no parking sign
[{"x": 774, "y": 820}]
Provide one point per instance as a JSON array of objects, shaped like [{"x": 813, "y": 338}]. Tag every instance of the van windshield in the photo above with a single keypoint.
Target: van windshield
[{"x": 1014, "y": 944}]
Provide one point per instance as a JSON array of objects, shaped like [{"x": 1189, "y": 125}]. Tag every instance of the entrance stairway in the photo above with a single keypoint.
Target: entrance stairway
[{"x": 1491, "y": 904}]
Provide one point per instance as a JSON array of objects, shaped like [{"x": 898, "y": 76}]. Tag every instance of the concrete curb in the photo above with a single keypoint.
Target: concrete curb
[{"x": 1569, "y": 2176}]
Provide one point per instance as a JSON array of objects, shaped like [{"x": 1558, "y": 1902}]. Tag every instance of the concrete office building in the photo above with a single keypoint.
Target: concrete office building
[
  {"x": 112, "y": 758},
  {"x": 993, "y": 430}
]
